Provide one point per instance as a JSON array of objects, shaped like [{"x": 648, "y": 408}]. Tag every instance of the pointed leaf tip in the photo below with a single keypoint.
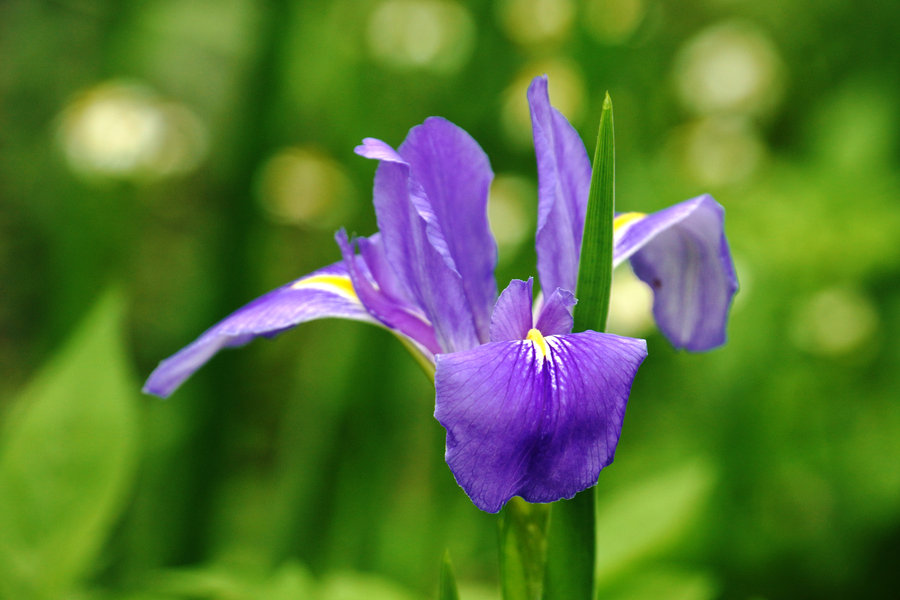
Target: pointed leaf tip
[
  {"x": 447, "y": 587},
  {"x": 595, "y": 261}
]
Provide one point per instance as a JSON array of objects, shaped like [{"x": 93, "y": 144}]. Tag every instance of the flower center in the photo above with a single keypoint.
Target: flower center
[{"x": 535, "y": 336}]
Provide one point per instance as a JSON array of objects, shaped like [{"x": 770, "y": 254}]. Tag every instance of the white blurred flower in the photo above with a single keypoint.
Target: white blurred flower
[
  {"x": 304, "y": 186},
  {"x": 511, "y": 211},
  {"x": 835, "y": 321},
  {"x": 568, "y": 97},
  {"x": 436, "y": 35},
  {"x": 536, "y": 21},
  {"x": 124, "y": 130},
  {"x": 729, "y": 67},
  {"x": 614, "y": 21},
  {"x": 718, "y": 150},
  {"x": 630, "y": 305}
]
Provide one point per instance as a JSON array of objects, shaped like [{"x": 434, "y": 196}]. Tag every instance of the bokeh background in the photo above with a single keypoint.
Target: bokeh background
[{"x": 164, "y": 161}]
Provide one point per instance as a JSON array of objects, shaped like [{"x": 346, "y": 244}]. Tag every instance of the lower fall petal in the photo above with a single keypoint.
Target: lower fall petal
[
  {"x": 324, "y": 293},
  {"x": 537, "y": 418}
]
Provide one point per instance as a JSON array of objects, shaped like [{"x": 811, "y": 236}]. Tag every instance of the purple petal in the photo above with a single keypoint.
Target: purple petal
[
  {"x": 512, "y": 318},
  {"x": 455, "y": 175},
  {"x": 538, "y": 419},
  {"x": 430, "y": 200},
  {"x": 372, "y": 251},
  {"x": 564, "y": 179},
  {"x": 378, "y": 150},
  {"x": 555, "y": 317},
  {"x": 682, "y": 254},
  {"x": 392, "y": 311},
  {"x": 325, "y": 293}
]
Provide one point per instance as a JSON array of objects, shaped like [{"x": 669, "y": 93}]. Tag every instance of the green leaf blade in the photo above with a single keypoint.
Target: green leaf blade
[
  {"x": 447, "y": 587},
  {"x": 595, "y": 264},
  {"x": 67, "y": 454},
  {"x": 649, "y": 515}
]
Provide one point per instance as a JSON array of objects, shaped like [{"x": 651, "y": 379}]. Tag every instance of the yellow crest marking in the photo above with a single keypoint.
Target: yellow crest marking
[
  {"x": 626, "y": 219},
  {"x": 336, "y": 284},
  {"x": 538, "y": 340}
]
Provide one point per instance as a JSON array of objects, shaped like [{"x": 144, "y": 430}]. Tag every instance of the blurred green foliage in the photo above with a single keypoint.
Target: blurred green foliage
[{"x": 197, "y": 153}]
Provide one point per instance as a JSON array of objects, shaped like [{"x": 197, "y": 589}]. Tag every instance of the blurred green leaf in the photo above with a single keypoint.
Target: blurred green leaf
[
  {"x": 642, "y": 519},
  {"x": 67, "y": 453},
  {"x": 237, "y": 582},
  {"x": 671, "y": 584},
  {"x": 102, "y": 594},
  {"x": 447, "y": 588},
  {"x": 291, "y": 581},
  {"x": 353, "y": 586}
]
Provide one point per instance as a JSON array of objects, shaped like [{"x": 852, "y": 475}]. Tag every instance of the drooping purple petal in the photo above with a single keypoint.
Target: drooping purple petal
[
  {"x": 564, "y": 179},
  {"x": 392, "y": 311},
  {"x": 430, "y": 199},
  {"x": 371, "y": 249},
  {"x": 512, "y": 317},
  {"x": 324, "y": 293},
  {"x": 534, "y": 418},
  {"x": 682, "y": 254},
  {"x": 555, "y": 316}
]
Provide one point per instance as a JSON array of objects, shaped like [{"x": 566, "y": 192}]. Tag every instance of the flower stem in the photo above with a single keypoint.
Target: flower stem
[
  {"x": 571, "y": 549},
  {"x": 523, "y": 549},
  {"x": 421, "y": 360}
]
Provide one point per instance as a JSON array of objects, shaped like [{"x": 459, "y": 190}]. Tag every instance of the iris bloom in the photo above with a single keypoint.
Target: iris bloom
[{"x": 530, "y": 408}]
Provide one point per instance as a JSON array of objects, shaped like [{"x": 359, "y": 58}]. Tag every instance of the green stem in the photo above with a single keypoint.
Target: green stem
[
  {"x": 571, "y": 549},
  {"x": 523, "y": 549},
  {"x": 426, "y": 364}
]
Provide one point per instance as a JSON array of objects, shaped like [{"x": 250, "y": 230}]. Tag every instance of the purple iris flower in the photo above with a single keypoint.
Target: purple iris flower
[{"x": 530, "y": 408}]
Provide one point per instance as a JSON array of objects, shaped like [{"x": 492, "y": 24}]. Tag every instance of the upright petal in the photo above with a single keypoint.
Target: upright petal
[
  {"x": 555, "y": 315},
  {"x": 682, "y": 254},
  {"x": 538, "y": 418},
  {"x": 564, "y": 179},
  {"x": 324, "y": 293},
  {"x": 511, "y": 318},
  {"x": 430, "y": 200},
  {"x": 456, "y": 176}
]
